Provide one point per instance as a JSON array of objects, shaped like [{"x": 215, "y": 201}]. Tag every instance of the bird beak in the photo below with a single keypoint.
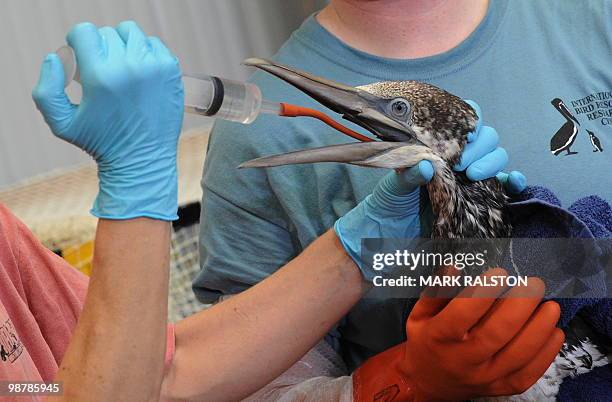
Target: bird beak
[
  {"x": 354, "y": 104},
  {"x": 381, "y": 154},
  {"x": 360, "y": 107},
  {"x": 566, "y": 110}
]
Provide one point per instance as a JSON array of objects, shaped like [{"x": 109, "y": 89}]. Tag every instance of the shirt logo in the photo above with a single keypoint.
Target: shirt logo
[
  {"x": 562, "y": 141},
  {"x": 10, "y": 345}
]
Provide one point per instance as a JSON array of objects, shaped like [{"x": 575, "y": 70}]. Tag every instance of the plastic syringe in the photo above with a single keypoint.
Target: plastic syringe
[
  {"x": 224, "y": 99},
  {"x": 204, "y": 95}
]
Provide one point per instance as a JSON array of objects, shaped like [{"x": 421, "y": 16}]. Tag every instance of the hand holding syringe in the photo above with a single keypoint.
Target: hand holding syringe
[
  {"x": 208, "y": 96},
  {"x": 225, "y": 99}
]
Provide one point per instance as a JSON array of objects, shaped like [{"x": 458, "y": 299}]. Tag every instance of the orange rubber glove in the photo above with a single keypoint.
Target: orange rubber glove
[
  {"x": 471, "y": 346},
  {"x": 382, "y": 379}
]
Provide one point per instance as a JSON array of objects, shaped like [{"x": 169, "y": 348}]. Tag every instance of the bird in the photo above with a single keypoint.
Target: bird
[
  {"x": 595, "y": 142},
  {"x": 417, "y": 121},
  {"x": 566, "y": 135}
]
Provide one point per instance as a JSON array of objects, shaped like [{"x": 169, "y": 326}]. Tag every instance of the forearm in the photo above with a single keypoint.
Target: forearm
[
  {"x": 117, "y": 351},
  {"x": 232, "y": 349}
]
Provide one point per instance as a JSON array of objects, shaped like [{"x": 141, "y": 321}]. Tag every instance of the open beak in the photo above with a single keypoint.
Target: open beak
[{"x": 355, "y": 105}]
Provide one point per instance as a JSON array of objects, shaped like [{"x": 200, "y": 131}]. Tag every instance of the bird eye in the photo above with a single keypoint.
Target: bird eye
[{"x": 400, "y": 108}]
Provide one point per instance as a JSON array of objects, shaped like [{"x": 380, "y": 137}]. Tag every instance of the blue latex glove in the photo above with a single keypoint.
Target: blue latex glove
[
  {"x": 392, "y": 210},
  {"x": 129, "y": 118},
  {"x": 482, "y": 158}
]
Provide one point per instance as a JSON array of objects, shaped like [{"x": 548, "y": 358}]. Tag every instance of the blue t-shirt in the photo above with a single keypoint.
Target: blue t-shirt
[{"x": 541, "y": 72}]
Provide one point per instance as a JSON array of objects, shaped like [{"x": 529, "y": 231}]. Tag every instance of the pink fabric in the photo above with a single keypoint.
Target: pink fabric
[{"x": 41, "y": 297}]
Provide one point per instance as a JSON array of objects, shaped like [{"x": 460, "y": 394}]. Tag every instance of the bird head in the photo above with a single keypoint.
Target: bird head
[
  {"x": 431, "y": 116},
  {"x": 560, "y": 106},
  {"x": 414, "y": 121},
  {"x": 410, "y": 117}
]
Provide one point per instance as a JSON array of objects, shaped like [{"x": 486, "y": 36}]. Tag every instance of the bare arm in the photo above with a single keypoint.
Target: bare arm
[
  {"x": 124, "y": 317},
  {"x": 129, "y": 121},
  {"x": 234, "y": 348}
]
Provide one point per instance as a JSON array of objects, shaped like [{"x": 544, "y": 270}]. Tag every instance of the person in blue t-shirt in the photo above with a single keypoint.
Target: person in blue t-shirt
[{"x": 539, "y": 71}]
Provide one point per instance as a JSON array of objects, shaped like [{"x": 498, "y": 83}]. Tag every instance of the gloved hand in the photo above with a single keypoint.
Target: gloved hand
[
  {"x": 380, "y": 378},
  {"x": 482, "y": 158},
  {"x": 392, "y": 210},
  {"x": 467, "y": 347},
  {"x": 129, "y": 118}
]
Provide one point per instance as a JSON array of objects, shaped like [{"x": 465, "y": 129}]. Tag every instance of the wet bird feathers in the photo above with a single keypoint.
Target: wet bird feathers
[{"x": 467, "y": 209}]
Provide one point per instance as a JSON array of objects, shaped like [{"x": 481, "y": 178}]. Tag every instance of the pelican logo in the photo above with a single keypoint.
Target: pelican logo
[
  {"x": 10, "y": 345},
  {"x": 565, "y": 136}
]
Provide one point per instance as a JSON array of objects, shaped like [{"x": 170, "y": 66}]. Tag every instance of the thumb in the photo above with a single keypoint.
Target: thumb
[
  {"x": 410, "y": 179},
  {"x": 50, "y": 97},
  {"x": 395, "y": 193},
  {"x": 434, "y": 299},
  {"x": 427, "y": 307},
  {"x": 514, "y": 182}
]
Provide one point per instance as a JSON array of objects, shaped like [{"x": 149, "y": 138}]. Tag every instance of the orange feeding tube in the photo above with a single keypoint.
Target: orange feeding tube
[{"x": 289, "y": 110}]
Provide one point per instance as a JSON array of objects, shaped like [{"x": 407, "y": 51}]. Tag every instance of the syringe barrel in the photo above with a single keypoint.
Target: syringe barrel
[
  {"x": 222, "y": 98},
  {"x": 204, "y": 95}
]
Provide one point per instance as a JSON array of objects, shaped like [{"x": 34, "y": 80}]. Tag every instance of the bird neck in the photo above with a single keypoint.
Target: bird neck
[
  {"x": 466, "y": 209},
  {"x": 403, "y": 29}
]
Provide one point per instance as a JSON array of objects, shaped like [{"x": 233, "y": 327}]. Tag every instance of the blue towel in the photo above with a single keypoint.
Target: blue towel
[{"x": 537, "y": 213}]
